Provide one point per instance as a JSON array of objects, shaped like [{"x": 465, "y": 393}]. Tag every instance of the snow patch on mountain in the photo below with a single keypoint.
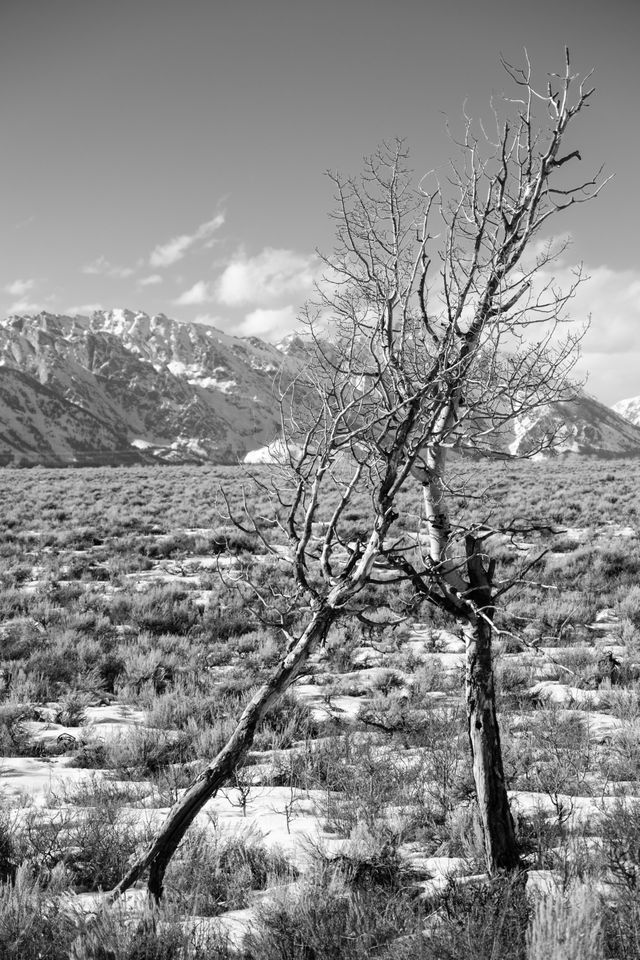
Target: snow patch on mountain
[
  {"x": 629, "y": 409},
  {"x": 276, "y": 452}
]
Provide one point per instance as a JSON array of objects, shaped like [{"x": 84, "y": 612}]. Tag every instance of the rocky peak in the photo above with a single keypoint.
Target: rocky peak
[{"x": 629, "y": 409}]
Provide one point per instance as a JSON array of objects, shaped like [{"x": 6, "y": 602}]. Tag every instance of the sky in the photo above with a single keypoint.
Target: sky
[{"x": 170, "y": 156}]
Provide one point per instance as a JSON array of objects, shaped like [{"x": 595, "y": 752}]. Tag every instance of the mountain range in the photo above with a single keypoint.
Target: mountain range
[{"x": 123, "y": 387}]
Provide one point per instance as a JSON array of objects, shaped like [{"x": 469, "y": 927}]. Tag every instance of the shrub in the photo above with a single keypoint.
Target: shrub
[
  {"x": 232, "y": 620},
  {"x": 482, "y": 920},
  {"x": 34, "y": 925},
  {"x": 40, "y": 925},
  {"x": 629, "y": 607},
  {"x": 210, "y": 875},
  {"x": 72, "y": 711},
  {"x": 566, "y": 926},
  {"x": 13, "y": 603},
  {"x": 622, "y": 760},
  {"x": 99, "y": 792},
  {"x": 160, "y": 611},
  {"x": 56, "y": 663},
  {"x": 144, "y": 752},
  {"x": 18, "y": 637},
  {"x": 327, "y": 919},
  {"x": 8, "y": 852},
  {"x": 620, "y": 831},
  {"x": 14, "y": 741},
  {"x": 285, "y": 722},
  {"x": 91, "y": 846},
  {"x": 620, "y": 925}
]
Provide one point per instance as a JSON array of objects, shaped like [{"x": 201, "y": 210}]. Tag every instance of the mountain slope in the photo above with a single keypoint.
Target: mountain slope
[
  {"x": 38, "y": 426},
  {"x": 583, "y": 426}
]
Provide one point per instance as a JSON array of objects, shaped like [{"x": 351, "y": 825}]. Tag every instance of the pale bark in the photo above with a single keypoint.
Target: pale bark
[
  {"x": 435, "y": 505},
  {"x": 431, "y": 472}
]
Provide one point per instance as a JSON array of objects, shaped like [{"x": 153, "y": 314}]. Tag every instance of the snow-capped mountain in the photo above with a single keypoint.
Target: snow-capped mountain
[
  {"x": 583, "y": 425},
  {"x": 629, "y": 409},
  {"x": 121, "y": 386},
  {"x": 149, "y": 386}
]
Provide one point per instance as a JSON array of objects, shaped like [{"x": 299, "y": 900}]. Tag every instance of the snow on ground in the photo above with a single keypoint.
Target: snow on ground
[
  {"x": 580, "y": 812},
  {"x": 34, "y": 780},
  {"x": 324, "y": 707},
  {"x": 291, "y": 820},
  {"x": 600, "y": 727},
  {"x": 563, "y": 695}
]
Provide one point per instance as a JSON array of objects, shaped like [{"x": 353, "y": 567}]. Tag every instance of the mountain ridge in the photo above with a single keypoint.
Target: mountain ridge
[
  {"x": 177, "y": 391},
  {"x": 122, "y": 386}
]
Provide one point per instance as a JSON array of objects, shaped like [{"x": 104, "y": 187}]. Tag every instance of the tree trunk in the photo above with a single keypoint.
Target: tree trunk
[
  {"x": 158, "y": 855},
  {"x": 501, "y": 848}
]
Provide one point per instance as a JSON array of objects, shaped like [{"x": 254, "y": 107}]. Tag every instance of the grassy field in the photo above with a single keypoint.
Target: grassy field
[{"x": 350, "y": 832}]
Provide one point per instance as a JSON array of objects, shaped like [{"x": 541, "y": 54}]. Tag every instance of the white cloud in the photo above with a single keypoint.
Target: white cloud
[
  {"x": 165, "y": 254},
  {"x": 199, "y": 293},
  {"x": 220, "y": 323},
  {"x": 610, "y": 376},
  {"x": 19, "y": 288},
  {"x": 612, "y": 297},
  {"x": 611, "y": 347},
  {"x": 207, "y": 229},
  {"x": 606, "y": 305},
  {"x": 150, "y": 281},
  {"x": 269, "y": 277},
  {"x": 25, "y": 306},
  {"x": 83, "y": 310},
  {"x": 264, "y": 323},
  {"x": 171, "y": 252},
  {"x": 268, "y": 324},
  {"x": 609, "y": 297},
  {"x": 102, "y": 267}
]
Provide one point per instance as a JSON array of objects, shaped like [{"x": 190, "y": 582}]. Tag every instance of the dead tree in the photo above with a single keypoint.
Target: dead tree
[{"x": 432, "y": 330}]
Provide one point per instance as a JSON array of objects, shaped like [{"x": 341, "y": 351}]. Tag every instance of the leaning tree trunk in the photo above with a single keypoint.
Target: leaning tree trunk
[
  {"x": 324, "y": 613},
  {"x": 159, "y": 853},
  {"x": 501, "y": 848}
]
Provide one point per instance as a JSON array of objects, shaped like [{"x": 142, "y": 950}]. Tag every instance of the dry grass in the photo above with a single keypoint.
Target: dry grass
[{"x": 102, "y": 601}]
